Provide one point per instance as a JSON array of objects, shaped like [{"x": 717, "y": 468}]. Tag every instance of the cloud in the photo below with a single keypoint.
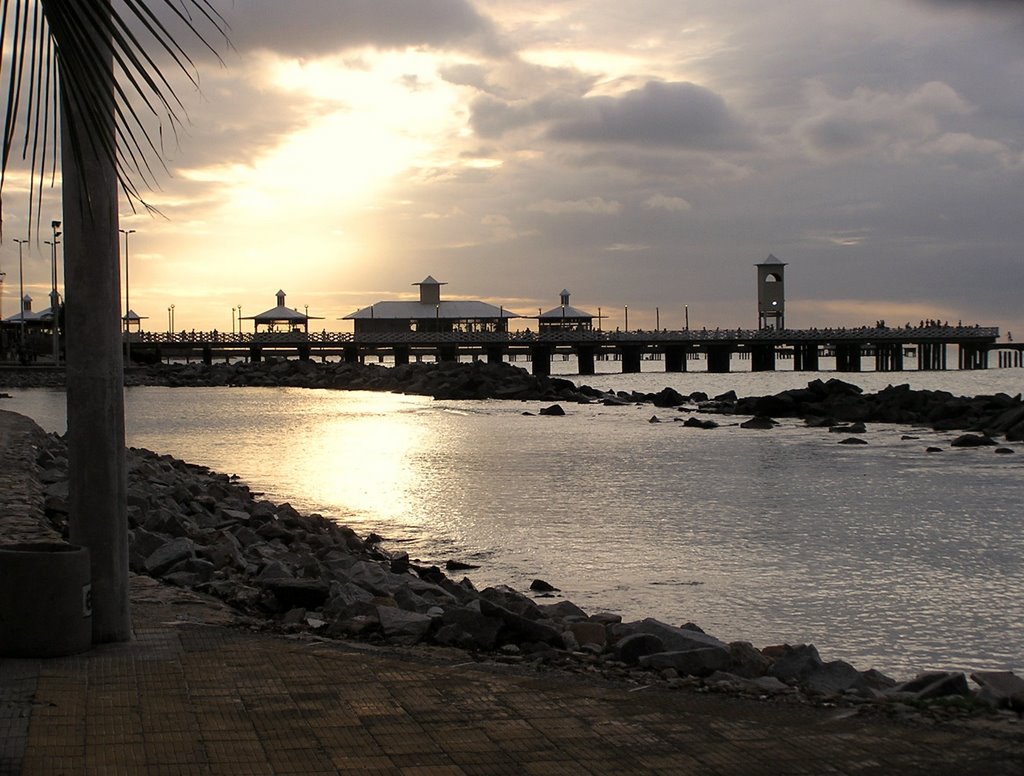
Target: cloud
[
  {"x": 876, "y": 121},
  {"x": 663, "y": 202},
  {"x": 673, "y": 115},
  {"x": 588, "y": 205},
  {"x": 310, "y": 28}
]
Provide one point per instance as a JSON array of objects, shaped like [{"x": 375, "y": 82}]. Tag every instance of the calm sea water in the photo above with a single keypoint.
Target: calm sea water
[{"x": 883, "y": 555}]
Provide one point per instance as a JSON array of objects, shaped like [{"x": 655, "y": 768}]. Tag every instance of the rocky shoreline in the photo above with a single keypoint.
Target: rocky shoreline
[
  {"x": 830, "y": 402},
  {"x": 195, "y": 529}
]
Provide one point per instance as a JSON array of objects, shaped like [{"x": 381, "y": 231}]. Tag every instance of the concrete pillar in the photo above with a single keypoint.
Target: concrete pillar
[
  {"x": 585, "y": 358},
  {"x": 631, "y": 359},
  {"x": 762, "y": 358},
  {"x": 255, "y": 354},
  {"x": 718, "y": 358},
  {"x": 805, "y": 358},
  {"x": 675, "y": 358},
  {"x": 351, "y": 354},
  {"x": 207, "y": 355},
  {"x": 495, "y": 354},
  {"x": 448, "y": 353},
  {"x": 540, "y": 356},
  {"x": 401, "y": 355},
  {"x": 848, "y": 357}
]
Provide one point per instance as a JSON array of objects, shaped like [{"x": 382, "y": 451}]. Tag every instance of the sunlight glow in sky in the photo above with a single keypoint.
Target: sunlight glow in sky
[{"x": 646, "y": 154}]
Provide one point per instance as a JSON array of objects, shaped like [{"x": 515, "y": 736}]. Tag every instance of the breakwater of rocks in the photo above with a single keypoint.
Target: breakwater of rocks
[
  {"x": 822, "y": 402},
  {"x": 197, "y": 529}
]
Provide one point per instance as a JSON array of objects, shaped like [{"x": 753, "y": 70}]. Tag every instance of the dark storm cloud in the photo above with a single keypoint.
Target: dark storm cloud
[
  {"x": 677, "y": 115},
  {"x": 305, "y": 28}
]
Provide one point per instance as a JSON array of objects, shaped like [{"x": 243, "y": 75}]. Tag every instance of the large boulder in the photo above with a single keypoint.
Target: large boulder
[{"x": 703, "y": 661}]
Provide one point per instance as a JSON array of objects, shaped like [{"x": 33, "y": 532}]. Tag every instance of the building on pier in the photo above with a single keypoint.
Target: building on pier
[
  {"x": 565, "y": 317},
  {"x": 286, "y": 318},
  {"x": 430, "y": 314},
  {"x": 771, "y": 294}
]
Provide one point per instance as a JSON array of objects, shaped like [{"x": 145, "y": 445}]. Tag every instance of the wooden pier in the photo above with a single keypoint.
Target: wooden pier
[{"x": 764, "y": 347}]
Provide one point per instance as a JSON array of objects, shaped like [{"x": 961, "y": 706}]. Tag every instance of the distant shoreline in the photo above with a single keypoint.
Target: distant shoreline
[{"x": 822, "y": 402}]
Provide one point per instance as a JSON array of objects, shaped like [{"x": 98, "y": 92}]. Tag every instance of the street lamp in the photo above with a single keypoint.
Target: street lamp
[
  {"x": 686, "y": 312},
  {"x": 55, "y": 225},
  {"x": 232, "y": 320},
  {"x": 627, "y": 317},
  {"x": 21, "y": 289},
  {"x": 172, "y": 318},
  {"x": 127, "y": 305},
  {"x": 170, "y": 326}
]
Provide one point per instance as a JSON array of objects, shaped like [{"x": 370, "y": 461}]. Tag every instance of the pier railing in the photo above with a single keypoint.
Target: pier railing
[{"x": 825, "y": 336}]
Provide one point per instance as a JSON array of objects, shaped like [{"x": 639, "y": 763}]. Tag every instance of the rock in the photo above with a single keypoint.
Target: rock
[
  {"x": 931, "y": 449},
  {"x": 698, "y": 423},
  {"x": 973, "y": 440},
  {"x": 554, "y": 409},
  {"x": 936, "y": 684},
  {"x": 852, "y": 441},
  {"x": 540, "y": 586},
  {"x": 747, "y": 661},
  {"x": 631, "y": 648},
  {"x": 795, "y": 663},
  {"x": 832, "y": 678},
  {"x": 674, "y": 639},
  {"x": 1002, "y": 689},
  {"x": 403, "y": 627},
  {"x": 654, "y": 419},
  {"x": 852, "y": 428},
  {"x": 563, "y": 610},
  {"x": 691, "y": 662},
  {"x": 520, "y": 628},
  {"x": 589, "y": 633},
  {"x": 759, "y": 422},
  {"x": 292, "y": 593},
  {"x": 169, "y": 555},
  {"x": 1004, "y": 451},
  {"x": 467, "y": 628},
  {"x": 456, "y": 565}
]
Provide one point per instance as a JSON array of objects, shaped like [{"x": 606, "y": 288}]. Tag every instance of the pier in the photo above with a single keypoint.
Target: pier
[{"x": 889, "y": 347}]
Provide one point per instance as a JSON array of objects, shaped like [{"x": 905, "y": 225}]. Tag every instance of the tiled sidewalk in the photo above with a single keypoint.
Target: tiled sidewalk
[{"x": 188, "y": 698}]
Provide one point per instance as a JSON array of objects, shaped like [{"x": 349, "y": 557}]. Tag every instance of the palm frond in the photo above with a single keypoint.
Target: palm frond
[{"x": 59, "y": 53}]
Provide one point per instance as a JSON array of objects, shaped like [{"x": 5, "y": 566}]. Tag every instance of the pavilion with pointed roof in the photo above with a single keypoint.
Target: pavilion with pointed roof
[
  {"x": 565, "y": 317},
  {"x": 431, "y": 313},
  {"x": 281, "y": 315}
]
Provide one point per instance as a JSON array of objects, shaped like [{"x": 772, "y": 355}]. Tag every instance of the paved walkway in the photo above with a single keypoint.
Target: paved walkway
[{"x": 198, "y": 692}]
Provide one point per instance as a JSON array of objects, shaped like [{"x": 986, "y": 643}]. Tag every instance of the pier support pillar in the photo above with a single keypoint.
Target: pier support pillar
[
  {"x": 762, "y": 358},
  {"x": 631, "y": 359},
  {"x": 448, "y": 353},
  {"x": 585, "y": 358},
  {"x": 255, "y": 354},
  {"x": 889, "y": 357},
  {"x": 207, "y": 355},
  {"x": 540, "y": 356},
  {"x": 805, "y": 358},
  {"x": 495, "y": 354},
  {"x": 351, "y": 354},
  {"x": 718, "y": 359},
  {"x": 973, "y": 358},
  {"x": 848, "y": 357},
  {"x": 304, "y": 351},
  {"x": 675, "y": 358},
  {"x": 401, "y": 355},
  {"x": 931, "y": 357}
]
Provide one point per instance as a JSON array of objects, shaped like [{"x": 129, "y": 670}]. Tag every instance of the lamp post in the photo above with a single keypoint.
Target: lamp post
[
  {"x": 169, "y": 327},
  {"x": 626, "y": 307},
  {"x": 232, "y": 320},
  {"x": 172, "y": 319},
  {"x": 21, "y": 291},
  {"x": 686, "y": 313},
  {"x": 55, "y": 226},
  {"x": 239, "y": 319},
  {"x": 657, "y": 319},
  {"x": 127, "y": 305},
  {"x": 599, "y": 316}
]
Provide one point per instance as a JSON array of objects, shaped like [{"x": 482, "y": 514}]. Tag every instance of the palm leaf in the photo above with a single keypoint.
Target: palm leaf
[{"x": 60, "y": 51}]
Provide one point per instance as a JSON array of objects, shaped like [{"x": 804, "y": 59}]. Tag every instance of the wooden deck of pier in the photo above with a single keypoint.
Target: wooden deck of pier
[{"x": 805, "y": 347}]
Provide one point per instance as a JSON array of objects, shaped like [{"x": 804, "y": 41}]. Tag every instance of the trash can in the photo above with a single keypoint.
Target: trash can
[{"x": 45, "y": 600}]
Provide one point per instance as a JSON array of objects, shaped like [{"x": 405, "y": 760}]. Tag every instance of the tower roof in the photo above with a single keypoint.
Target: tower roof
[{"x": 770, "y": 260}]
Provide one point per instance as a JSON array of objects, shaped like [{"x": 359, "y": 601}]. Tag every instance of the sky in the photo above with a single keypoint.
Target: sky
[{"x": 644, "y": 154}]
